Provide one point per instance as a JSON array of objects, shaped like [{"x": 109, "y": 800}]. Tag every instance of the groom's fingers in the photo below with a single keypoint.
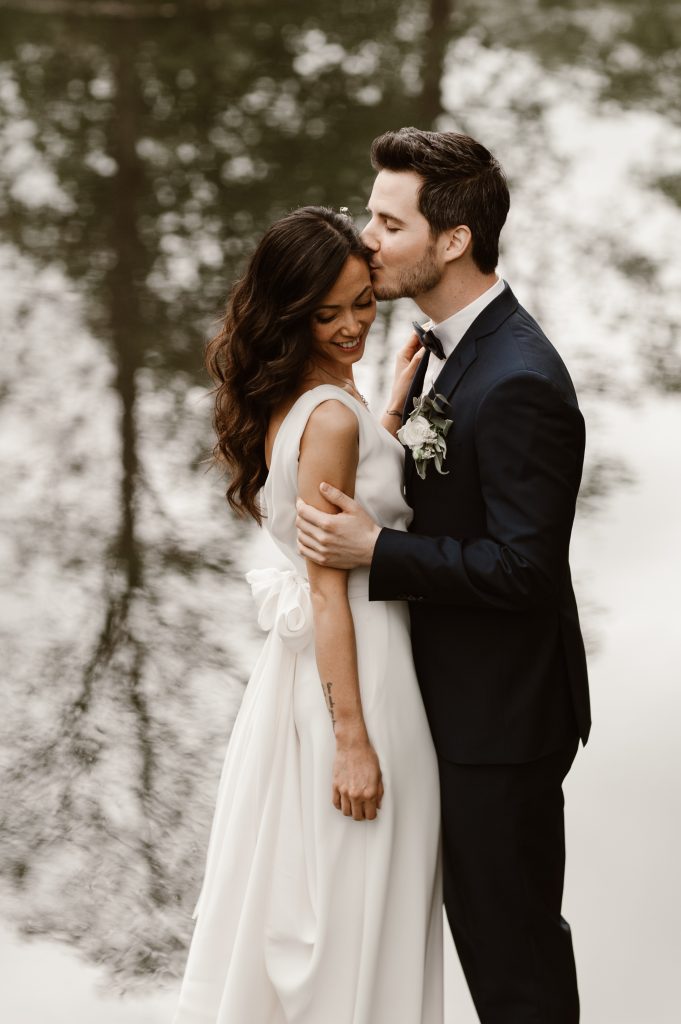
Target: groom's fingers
[
  {"x": 311, "y": 542},
  {"x": 309, "y": 534},
  {"x": 309, "y": 553},
  {"x": 308, "y": 516},
  {"x": 337, "y": 497}
]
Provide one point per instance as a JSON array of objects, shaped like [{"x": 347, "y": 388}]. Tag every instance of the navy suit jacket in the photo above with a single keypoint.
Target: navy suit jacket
[{"x": 495, "y": 630}]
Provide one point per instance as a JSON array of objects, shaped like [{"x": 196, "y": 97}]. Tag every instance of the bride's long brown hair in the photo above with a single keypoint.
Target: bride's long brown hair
[{"x": 262, "y": 349}]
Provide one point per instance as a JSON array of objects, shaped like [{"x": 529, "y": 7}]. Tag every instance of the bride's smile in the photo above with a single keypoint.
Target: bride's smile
[{"x": 341, "y": 322}]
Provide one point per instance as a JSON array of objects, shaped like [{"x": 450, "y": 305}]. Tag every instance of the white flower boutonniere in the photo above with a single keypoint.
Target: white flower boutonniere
[{"x": 425, "y": 432}]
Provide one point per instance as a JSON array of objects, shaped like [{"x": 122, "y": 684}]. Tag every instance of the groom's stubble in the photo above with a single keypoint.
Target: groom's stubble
[{"x": 412, "y": 281}]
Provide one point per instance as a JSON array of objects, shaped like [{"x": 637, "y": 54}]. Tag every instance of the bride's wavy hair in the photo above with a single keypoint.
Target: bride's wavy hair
[{"x": 263, "y": 346}]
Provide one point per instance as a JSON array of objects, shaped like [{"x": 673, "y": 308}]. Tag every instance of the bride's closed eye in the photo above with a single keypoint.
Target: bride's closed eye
[{"x": 358, "y": 305}]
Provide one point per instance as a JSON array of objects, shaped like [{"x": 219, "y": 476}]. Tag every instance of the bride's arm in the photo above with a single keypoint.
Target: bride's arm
[
  {"x": 329, "y": 451},
  {"x": 406, "y": 365}
]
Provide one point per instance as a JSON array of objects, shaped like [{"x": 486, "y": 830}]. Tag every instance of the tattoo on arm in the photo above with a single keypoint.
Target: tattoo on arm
[{"x": 329, "y": 703}]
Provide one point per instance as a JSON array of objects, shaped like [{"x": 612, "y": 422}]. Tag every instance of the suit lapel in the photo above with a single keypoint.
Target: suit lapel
[
  {"x": 461, "y": 358},
  {"x": 466, "y": 351}
]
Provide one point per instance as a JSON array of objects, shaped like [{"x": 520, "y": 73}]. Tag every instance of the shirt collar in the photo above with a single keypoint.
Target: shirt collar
[{"x": 451, "y": 331}]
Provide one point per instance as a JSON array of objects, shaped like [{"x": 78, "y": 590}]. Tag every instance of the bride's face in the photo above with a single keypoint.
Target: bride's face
[{"x": 342, "y": 320}]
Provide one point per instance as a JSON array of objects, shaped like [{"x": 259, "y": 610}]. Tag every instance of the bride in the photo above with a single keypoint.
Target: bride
[{"x": 321, "y": 901}]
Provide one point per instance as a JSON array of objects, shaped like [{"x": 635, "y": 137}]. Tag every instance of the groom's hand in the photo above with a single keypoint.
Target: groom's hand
[{"x": 341, "y": 541}]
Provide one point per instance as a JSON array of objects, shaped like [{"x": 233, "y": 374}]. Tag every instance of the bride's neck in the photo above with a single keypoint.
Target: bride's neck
[{"x": 325, "y": 371}]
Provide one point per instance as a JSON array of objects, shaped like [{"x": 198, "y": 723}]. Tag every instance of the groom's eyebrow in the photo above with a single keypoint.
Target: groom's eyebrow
[
  {"x": 327, "y": 305},
  {"x": 386, "y": 216}
]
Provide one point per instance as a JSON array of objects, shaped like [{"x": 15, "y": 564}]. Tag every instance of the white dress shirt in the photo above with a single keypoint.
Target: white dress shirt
[{"x": 451, "y": 331}]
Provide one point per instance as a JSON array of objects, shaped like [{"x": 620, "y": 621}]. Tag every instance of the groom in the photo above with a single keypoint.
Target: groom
[{"x": 495, "y": 630}]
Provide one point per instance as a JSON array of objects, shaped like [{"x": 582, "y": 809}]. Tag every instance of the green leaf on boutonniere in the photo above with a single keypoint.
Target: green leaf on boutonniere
[{"x": 425, "y": 431}]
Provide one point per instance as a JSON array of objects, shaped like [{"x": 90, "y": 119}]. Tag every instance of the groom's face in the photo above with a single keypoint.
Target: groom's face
[{"x": 406, "y": 261}]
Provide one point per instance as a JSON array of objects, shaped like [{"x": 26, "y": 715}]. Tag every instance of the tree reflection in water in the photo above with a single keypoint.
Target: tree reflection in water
[{"x": 145, "y": 146}]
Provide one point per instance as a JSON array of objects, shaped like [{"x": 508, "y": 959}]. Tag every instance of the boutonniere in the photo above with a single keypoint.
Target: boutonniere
[{"x": 425, "y": 432}]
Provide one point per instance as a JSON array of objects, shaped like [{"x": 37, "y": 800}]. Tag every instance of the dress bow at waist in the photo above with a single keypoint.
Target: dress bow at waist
[{"x": 282, "y": 598}]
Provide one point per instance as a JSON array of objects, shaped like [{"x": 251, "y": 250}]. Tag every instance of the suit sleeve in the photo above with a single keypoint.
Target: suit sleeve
[{"x": 530, "y": 447}]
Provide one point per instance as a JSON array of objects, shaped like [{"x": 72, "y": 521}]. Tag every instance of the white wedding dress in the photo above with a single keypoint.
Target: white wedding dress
[{"x": 306, "y": 916}]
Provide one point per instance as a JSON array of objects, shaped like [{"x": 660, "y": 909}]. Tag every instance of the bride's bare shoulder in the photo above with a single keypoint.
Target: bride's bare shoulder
[
  {"x": 331, "y": 421},
  {"x": 329, "y": 451}
]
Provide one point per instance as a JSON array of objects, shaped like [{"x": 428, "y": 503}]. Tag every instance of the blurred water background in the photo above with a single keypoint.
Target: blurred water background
[{"x": 143, "y": 148}]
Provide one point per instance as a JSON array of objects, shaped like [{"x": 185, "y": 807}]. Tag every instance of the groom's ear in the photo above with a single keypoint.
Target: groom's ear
[{"x": 457, "y": 242}]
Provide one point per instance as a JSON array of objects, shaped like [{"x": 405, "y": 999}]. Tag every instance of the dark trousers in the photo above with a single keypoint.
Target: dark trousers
[{"x": 504, "y": 861}]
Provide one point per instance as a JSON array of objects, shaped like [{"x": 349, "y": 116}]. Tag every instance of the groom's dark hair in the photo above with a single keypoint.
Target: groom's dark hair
[{"x": 462, "y": 184}]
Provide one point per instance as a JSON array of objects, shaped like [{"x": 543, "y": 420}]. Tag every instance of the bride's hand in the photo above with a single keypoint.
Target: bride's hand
[
  {"x": 357, "y": 784},
  {"x": 406, "y": 364}
]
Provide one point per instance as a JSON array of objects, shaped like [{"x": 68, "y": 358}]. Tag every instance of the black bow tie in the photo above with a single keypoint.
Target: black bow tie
[{"x": 429, "y": 341}]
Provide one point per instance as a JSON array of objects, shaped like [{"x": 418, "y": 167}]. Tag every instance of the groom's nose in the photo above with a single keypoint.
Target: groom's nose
[{"x": 368, "y": 237}]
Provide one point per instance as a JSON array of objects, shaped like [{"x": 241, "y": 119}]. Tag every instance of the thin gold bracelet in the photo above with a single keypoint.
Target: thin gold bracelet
[{"x": 393, "y": 412}]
